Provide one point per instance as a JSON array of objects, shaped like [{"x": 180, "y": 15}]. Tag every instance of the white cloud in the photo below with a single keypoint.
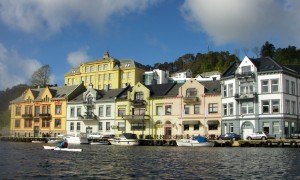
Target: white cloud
[
  {"x": 77, "y": 57},
  {"x": 245, "y": 22},
  {"x": 15, "y": 69},
  {"x": 50, "y": 16}
]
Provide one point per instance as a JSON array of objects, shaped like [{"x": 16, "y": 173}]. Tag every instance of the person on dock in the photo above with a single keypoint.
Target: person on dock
[{"x": 63, "y": 144}]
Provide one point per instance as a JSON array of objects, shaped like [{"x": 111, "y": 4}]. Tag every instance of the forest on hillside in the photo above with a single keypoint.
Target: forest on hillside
[{"x": 199, "y": 63}]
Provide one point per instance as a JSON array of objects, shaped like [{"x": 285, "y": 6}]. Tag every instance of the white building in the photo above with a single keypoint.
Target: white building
[
  {"x": 260, "y": 95},
  {"x": 155, "y": 76}
]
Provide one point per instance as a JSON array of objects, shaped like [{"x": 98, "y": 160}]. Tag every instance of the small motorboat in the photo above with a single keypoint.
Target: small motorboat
[
  {"x": 61, "y": 149},
  {"x": 76, "y": 140},
  {"x": 54, "y": 140},
  {"x": 195, "y": 141},
  {"x": 126, "y": 139}
]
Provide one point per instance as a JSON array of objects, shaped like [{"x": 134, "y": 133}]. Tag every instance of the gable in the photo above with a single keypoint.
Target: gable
[
  {"x": 191, "y": 84},
  {"x": 246, "y": 66},
  {"x": 28, "y": 96}
]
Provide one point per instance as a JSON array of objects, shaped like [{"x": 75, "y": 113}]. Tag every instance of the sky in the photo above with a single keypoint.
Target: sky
[{"x": 66, "y": 33}]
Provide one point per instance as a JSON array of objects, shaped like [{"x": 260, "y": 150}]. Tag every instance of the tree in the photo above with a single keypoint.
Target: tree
[
  {"x": 41, "y": 76},
  {"x": 268, "y": 49}
]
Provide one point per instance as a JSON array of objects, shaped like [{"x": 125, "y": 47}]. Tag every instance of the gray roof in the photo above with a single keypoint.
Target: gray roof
[{"x": 212, "y": 87}]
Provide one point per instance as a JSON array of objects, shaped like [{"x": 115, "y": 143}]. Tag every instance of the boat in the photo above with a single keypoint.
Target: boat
[
  {"x": 99, "y": 143},
  {"x": 54, "y": 140},
  {"x": 61, "y": 149},
  {"x": 76, "y": 140},
  {"x": 126, "y": 139},
  {"x": 195, "y": 141}
]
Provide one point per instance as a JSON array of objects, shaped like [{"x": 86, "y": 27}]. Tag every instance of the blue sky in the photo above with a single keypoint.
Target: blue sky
[{"x": 65, "y": 33}]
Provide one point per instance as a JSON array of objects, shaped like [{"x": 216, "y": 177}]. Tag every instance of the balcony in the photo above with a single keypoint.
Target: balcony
[
  {"x": 138, "y": 102},
  {"x": 245, "y": 96},
  {"x": 190, "y": 99},
  {"x": 45, "y": 115},
  {"x": 245, "y": 75},
  {"x": 89, "y": 117},
  {"x": 135, "y": 117},
  {"x": 26, "y": 116},
  {"x": 88, "y": 104}
]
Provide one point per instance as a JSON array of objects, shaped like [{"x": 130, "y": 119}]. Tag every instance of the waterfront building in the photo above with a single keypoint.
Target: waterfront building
[
  {"x": 156, "y": 76},
  {"x": 41, "y": 111},
  {"x": 260, "y": 95},
  {"x": 92, "y": 111},
  {"x": 106, "y": 73},
  {"x": 201, "y": 108}
]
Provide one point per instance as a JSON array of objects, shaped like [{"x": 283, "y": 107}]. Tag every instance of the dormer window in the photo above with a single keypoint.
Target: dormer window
[
  {"x": 191, "y": 92},
  {"x": 139, "y": 96},
  {"x": 127, "y": 65},
  {"x": 246, "y": 69},
  {"x": 90, "y": 99}
]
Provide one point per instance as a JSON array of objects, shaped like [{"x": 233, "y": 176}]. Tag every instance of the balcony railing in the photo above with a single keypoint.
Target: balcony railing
[
  {"x": 246, "y": 96},
  {"x": 190, "y": 99},
  {"x": 26, "y": 115},
  {"x": 245, "y": 75},
  {"x": 138, "y": 102},
  {"x": 135, "y": 117},
  {"x": 89, "y": 117},
  {"x": 45, "y": 115}
]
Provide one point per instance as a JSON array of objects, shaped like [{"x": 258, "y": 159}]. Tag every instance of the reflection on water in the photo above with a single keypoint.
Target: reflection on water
[{"x": 28, "y": 161}]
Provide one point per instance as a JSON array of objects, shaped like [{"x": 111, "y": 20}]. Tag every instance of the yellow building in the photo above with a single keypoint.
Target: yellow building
[
  {"x": 106, "y": 73},
  {"x": 42, "y": 111}
]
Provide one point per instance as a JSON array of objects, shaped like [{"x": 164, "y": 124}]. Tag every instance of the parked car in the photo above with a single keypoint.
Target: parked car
[
  {"x": 261, "y": 135},
  {"x": 295, "y": 135},
  {"x": 229, "y": 136}
]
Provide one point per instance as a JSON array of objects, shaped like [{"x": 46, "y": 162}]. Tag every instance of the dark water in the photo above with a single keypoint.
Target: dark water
[{"x": 30, "y": 161}]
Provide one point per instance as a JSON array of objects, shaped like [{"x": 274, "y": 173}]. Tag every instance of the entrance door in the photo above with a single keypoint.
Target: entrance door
[
  {"x": 168, "y": 132},
  {"x": 247, "y": 129},
  {"x": 89, "y": 130},
  {"x": 36, "y": 131}
]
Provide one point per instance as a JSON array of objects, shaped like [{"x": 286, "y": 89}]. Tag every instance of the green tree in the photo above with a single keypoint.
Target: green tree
[{"x": 268, "y": 49}]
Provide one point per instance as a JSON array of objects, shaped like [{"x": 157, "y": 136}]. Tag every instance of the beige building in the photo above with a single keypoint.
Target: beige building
[{"x": 106, "y": 73}]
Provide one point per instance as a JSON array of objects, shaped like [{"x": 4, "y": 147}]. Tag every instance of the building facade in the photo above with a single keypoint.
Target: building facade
[
  {"x": 106, "y": 73},
  {"x": 260, "y": 95}
]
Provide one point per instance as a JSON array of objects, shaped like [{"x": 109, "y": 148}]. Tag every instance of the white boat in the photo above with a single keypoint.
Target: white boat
[
  {"x": 61, "y": 149},
  {"x": 99, "y": 143},
  {"x": 76, "y": 140},
  {"x": 126, "y": 139},
  {"x": 54, "y": 140},
  {"x": 195, "y": 141}
]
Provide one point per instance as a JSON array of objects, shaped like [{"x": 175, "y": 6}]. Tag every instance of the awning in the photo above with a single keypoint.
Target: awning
[
  {"x": 210, "y": 122},
  {"x": 190, "y": 122}
]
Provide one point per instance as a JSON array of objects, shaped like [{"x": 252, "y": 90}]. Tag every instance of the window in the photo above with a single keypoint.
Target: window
[
  {"x": 36, "y": 110},
  {"x": 224, "y": 109},
  {"x": 139, "y": 96},
  {"x": 266, "y": 127},
  {"x": 72, "y": 126},
  {"x": 159, "y": 110},
  {"x": 28, "y": 109},
  {"x": 138, "y": 111},
  {"x": 213, "y": 127},
  {"x": 247, "y": 108},
  {"x": 224, "y": 91},
  {"x": 107, "y": 126},
  {"x": 129, "y": 75},
  {"x": 275, "y": 106},
  {"x": 72, "y": 112},
  {"x": 121, "y": 126},
  {"x": 213, "y": 108},
  {"x": 108, "y": 111},
  {"x": 264, "y": 86},
  {"x": 191, "y": 92},
  {"x": 287, "y": 106},
  {"x": 121, "y": 112},
  {"x": 230, "y": 90},
  {"x": 99, "y": 77},
  {"x": 57, "y": 123},
  {"x": 110, "y": 76},
  {"x": 168, "y": 110},
  {"x": 78, "y": 126},
  {"x": 100, "y": 111},
  {"x": 100, "y": 128},
  {"x": 18, "y": 110},
  {"x": 78, "y": 111},
  {"x": 92, "y": 68},
  {"x": 186, "y": 109},
  {"x": 17, "y": 123},
  {"x": 196, "y": 109},
  {"x": 293, "y": 88},
  {"x": 265, "y": 107},
  {"x": 246, "y": 69},
  {"x": 46, "y": 109},
  {"x": 138, "y": 126},
  {"x": 57, "y": 109},
  {"x": 276, "y": 128},
  {"x": 274, "y": 85},
  {"x": 87, "y": 69},
  {"x": 99, "y": 68},
  {"x": 246, "y": 88},
  {"x": 231, "y": 127},
  {"x": 186, "y": 127},
  {"x": 45, "y": 123},
  {"x": 287, "y": 86},
  {"x": 230, "y": 109},
  {"x": 105, "y": 67},
  {"x": 293, "y": 107},
  {"x": 123, "y": 75},
  {"x": 105, "y": 77},
  {"x": 196, "y": 127},
  {"x": 28, "y": 123}
]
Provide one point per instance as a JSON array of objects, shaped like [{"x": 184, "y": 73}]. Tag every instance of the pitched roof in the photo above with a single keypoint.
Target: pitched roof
[
  {"x": 212, "y": 87},
  {"x": 160, "y": 90}
]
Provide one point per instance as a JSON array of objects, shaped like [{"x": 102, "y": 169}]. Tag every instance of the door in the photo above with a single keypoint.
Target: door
[
  {"x": 36, "y": 131},
  {"x": 89, "y": 130},
  {"x": 247, "y": 129},
  {"x": 168, "y": 132}
]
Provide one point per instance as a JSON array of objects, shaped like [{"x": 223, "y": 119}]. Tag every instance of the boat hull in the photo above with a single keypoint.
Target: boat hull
[
  {"x": 127, "y": 142},
  {"x": 187, "y": 142},
  {"x": 61, "y": 149}
]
